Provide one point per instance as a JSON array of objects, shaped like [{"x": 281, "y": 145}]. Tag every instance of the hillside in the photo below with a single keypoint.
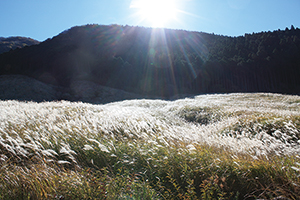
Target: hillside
[
  {"x": 11, "y": 43},
  {"x": 163, "y": 62},
  {"x": 23, "y": 88},
  {"x": 225, "y": 146}
]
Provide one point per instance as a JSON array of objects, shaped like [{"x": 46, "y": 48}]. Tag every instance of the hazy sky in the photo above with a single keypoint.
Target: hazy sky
[{"x": 42, "y": 19}]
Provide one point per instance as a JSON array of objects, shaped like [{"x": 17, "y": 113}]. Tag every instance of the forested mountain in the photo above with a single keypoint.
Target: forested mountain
[
  {"x": 11, "y": 43},
  {"x": 163, "y": 62}
]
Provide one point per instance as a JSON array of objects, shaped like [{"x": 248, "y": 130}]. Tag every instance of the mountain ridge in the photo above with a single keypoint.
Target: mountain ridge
[
  {"x": 163, "y": 62},
  {"x": 11, "y": 43}
]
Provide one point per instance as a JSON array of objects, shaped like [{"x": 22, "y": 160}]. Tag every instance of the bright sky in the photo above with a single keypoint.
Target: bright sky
[{"x": 41, "y": 19}]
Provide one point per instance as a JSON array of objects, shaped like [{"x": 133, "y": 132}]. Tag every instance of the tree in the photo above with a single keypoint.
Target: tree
[{"x": 292, "y": 28}]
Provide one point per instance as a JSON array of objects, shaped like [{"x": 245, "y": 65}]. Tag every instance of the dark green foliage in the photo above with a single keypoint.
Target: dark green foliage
[
  {"x": 162, "y": 62},
  {"x": 201, "y": 115}
]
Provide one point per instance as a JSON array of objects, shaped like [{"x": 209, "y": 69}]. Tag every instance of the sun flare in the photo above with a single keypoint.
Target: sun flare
[{"x": 157, "y": 12}]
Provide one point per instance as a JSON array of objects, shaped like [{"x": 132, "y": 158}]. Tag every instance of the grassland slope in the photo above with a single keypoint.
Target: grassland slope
[{"x": 223, "y": 146}]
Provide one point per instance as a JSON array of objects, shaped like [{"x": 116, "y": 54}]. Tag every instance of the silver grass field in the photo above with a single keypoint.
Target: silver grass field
[{"x": 221, "y": 146}]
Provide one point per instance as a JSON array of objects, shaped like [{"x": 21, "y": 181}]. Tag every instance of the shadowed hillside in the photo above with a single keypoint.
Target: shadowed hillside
[
  {"x": 163, "y": 62},
  {"x": 24, "y": 88}
]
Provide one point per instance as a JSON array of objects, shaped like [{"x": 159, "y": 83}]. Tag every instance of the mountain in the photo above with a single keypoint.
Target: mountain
[
  {"x": 11, "y": 43},
  {"x": 163, "y": 62}
]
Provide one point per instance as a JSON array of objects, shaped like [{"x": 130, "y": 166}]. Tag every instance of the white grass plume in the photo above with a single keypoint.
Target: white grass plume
[{"x": 50, "y": 128}]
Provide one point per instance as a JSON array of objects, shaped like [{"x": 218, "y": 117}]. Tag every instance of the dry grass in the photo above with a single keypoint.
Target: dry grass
[{"x": 235, "y": 146}]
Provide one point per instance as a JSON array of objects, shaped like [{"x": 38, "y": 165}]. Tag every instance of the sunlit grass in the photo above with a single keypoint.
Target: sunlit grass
[{"x": 236, "y": 146}]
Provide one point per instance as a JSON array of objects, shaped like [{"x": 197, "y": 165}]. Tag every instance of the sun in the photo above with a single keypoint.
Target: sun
[{"x": 157, "y": 12}]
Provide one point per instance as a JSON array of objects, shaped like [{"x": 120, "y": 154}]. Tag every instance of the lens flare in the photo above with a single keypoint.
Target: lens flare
[{"x": 157, "y": 12}]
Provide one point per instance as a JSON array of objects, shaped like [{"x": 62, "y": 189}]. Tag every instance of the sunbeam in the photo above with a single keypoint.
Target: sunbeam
[{"x": 157, "y": 12}]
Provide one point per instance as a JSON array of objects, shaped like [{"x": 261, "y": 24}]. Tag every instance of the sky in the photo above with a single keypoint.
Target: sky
[{"x": 42, "y": 19}]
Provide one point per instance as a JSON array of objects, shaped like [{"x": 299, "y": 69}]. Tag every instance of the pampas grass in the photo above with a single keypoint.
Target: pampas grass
[{"x": 229, "y": 146}]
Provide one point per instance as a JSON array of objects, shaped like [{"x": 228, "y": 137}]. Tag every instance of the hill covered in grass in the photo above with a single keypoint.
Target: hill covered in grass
[
  {"x": 163, "y": 62},
  {"x": 223, "y": 146}
]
